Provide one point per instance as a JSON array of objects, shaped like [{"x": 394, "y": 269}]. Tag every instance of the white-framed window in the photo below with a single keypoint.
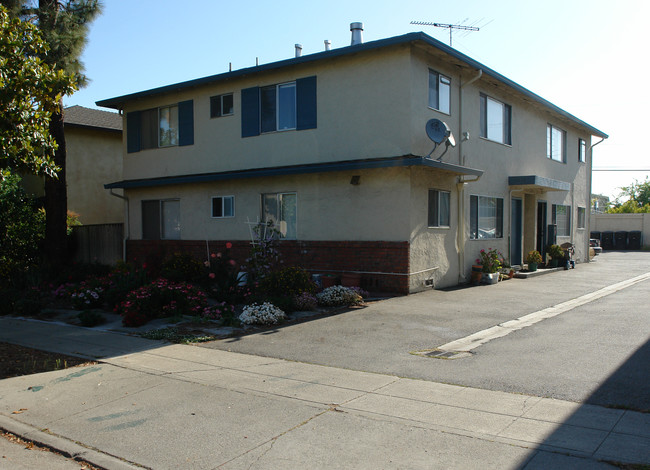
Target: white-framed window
[
  {"x": 582, "y": 214},
  {"x": 555, "y": 143},
  {"x": 562, "y": 218},
  {"x": 278, "y": 107},
  {"x": 438, "y": 215},
  {"x": 281, "y": 210},
  {"x": 496, "y": 120},
  {"x": 168, "y": 126},
  {"x": 221, "y": 105},
  {"x": 223, "y": 206},
  {"x": 439, "y": 92},
  {"x": 582, "y": 151},
  {"x": 485, "y": 217},
  {"x": 161, "y": 219}
]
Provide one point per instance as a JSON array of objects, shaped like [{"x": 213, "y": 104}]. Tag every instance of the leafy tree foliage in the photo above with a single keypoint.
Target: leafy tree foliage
[
  {"x": 636, "y": 199},
  {"x": 64, "y": 27},
  {"x": 22, "y": 228},
  {"x": 30, "y": 90}
]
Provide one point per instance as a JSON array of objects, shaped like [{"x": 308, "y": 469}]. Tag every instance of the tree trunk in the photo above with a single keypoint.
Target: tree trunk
[{"x": 56, "y": 199}]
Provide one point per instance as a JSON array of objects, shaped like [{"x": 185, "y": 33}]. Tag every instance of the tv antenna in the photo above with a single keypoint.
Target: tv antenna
[{"x": 450, "y": 27}]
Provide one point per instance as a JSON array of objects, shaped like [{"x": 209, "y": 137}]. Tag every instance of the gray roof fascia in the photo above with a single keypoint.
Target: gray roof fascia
[
  {"x": 118, "y": 102},
  {"x": 296, "y": 170},
  {"x": 539, "y": 182}
]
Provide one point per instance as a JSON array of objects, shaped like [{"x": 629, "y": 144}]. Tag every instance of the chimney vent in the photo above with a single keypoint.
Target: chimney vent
[
  {"x": 328, "y": 44},
  {"x": 298, "y": 50},
  {"x": 357, "y": 33}
]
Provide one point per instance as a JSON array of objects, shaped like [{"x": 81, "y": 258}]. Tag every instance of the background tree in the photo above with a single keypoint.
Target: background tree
[
  {"x": 30, "y": 90},
  {"x": 636, "y": 198},
  {"x": 64, "y": 27}
]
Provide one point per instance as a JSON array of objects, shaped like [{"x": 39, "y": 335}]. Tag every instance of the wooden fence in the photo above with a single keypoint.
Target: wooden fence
[{"x": 98, "y": 243}]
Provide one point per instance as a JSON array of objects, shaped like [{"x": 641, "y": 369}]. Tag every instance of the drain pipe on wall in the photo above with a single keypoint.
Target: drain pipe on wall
[
  {"x": 460, "y": 237},
  {"x": 127, "y": 228}
]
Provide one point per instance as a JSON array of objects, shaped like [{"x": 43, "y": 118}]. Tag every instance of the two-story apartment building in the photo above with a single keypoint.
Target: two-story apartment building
[{"x": 332, "y": 147}]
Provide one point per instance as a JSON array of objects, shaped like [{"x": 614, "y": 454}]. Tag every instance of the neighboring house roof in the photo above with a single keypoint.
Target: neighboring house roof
[
  {"x": 78, "y": 116},
  {"x": 372, "y": 163},
  {"x": 420, "y": 38}
]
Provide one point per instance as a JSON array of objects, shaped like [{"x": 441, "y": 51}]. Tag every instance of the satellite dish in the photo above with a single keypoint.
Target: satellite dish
[{"x": 437, "y": 130}]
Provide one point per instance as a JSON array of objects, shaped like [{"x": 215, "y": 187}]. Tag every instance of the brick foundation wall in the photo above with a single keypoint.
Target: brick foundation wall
[{"x": 383, "y": 265}]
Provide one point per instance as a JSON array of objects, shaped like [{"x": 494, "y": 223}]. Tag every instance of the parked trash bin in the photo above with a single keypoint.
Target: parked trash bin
[
  {"x": 620, "y": 240},
  {"x": 607, "y": 240},
  {"x": 595, "y": 235},
  {"x": 634, "y": 240}
]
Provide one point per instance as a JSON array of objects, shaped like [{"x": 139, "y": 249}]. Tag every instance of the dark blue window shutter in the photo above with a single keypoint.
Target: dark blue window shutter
[
  {"x": 306, "y": 103},
  {"x": 186, "y": 123},
  {"x": 250, "y": 112},
  {"x": 133, "y": 132}
]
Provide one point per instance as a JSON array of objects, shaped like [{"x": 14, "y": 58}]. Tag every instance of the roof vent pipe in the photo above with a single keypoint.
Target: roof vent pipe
[
  {"x": 298, "y": 50},
  {"x": 357, "y": 33},
  {"x": 328, "y": 44}
]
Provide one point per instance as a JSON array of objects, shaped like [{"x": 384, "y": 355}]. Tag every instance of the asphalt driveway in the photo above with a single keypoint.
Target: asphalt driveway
[{"x": 597, "y": 352}]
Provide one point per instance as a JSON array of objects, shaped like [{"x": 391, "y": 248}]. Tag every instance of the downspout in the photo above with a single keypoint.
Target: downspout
[
  {"x": 588, "y": 209},
  {"x": 460, "y": 235},
  {"x": 127, "y": 231}
]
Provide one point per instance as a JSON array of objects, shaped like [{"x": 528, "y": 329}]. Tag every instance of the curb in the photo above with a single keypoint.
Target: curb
[{"x": 65, "y": 447}]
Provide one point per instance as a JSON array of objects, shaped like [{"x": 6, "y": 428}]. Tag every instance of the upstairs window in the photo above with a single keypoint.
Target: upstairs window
[
  {"x": 439, "y": 92},
  {"x": 485, "y": 217},
  {"x": 582, "y": 151},
  {"x": 438, "y": 208},
  {"x": 495, "y": 120},
  {"x": 562, "y": 218},
  {"x": 278, "y": 107},
  {"x": 286, "y": 106},
  {"x": 166, "y": 126},
  {"x": 555, "y": 143},
  {"x": 221, "y": 105}
]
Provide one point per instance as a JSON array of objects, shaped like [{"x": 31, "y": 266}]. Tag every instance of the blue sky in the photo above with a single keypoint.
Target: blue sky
[{"x": 582, "y": 55}]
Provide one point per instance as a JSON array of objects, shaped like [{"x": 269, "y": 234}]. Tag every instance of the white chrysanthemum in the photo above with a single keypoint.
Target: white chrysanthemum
[
  {"x": 338, "y": 295},
  {"x": 265, "y": 314}
]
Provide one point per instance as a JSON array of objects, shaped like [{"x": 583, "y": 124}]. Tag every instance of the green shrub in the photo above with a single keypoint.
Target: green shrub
[
  {"x": 287, "y": 282},
  {"x": 88, "y": 318},
  {"x": 183, "y": 267}
]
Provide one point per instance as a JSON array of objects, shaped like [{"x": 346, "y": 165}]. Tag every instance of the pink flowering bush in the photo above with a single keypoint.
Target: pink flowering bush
[
  {"x": 161, "y": 298},
  {"x": 305, "y": 301}
]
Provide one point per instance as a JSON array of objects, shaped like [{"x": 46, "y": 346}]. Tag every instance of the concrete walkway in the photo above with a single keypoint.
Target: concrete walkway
[{"x": 152, "y": 405}]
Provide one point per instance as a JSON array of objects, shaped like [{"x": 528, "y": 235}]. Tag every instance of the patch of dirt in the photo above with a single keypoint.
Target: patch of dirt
[{"x": 19, "y": 360}]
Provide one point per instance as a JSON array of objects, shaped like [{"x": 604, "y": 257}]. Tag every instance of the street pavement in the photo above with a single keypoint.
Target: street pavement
[{"x": 148, "y": 404}]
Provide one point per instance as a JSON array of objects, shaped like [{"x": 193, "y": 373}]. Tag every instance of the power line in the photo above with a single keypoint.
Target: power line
[{"x": 620, "y": 169}]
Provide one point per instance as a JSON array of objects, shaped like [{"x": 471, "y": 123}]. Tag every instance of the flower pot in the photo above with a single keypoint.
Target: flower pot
[
  {"x": 490, "y": 278},
  {"x": 476, "y": 277},
  {"x": 532, "y": 266}
]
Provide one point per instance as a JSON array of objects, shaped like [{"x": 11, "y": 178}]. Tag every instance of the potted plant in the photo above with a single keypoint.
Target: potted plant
[
  {"x": 557, "y": 255},
  {"x": 533, "y": 259},
  {"x": 491, "y": 261}
]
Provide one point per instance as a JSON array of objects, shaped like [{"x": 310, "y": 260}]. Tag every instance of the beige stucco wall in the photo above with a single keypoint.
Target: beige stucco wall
[
  {"x": 363, "y": 112},
  {"x": 94, "y": 158},
  {"x": 328, "y": 206},
  {"x": 622, "y": 222}
]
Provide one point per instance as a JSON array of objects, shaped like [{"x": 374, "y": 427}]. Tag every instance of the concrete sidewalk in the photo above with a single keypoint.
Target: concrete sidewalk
[{"x": 152, "y": 405}]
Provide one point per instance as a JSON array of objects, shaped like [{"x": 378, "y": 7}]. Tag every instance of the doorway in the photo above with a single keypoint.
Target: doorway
[{"x": 516, "y": 230}]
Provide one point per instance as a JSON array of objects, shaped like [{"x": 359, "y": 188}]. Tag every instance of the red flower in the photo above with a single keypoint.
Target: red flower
[
  {"x": 229, "y": 245},
  {"x": 212, "y": 275},
  {"x": 213, "y": 255}
]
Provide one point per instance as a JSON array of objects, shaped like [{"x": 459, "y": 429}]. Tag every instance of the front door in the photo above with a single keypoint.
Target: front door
[
  {"x": 516, "y": 231},
  {"x": 541, "y": 227}
]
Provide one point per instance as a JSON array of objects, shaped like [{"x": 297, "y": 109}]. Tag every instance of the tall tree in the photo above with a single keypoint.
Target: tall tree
[
  {"x": 64, "y": 27},
  {"x": 30, "y": 91},
  {"x": 636, "y": 198}
]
